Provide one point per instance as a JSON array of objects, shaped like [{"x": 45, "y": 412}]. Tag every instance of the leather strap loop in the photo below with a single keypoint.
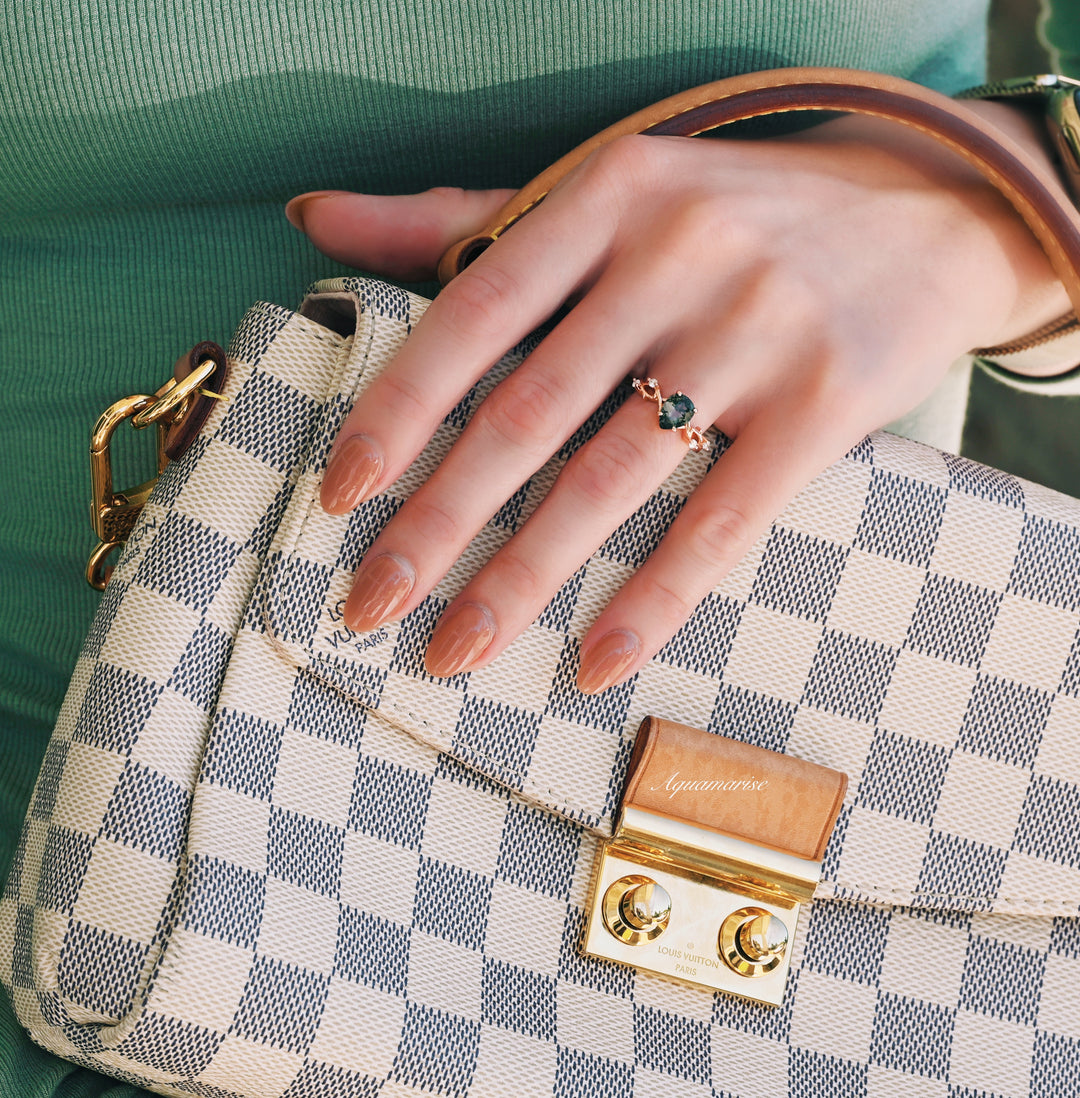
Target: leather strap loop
[
  {"x": 1036, "y": 196},
  {"x": 181, "y": 434},
  {"x": 735, "y": 788}
]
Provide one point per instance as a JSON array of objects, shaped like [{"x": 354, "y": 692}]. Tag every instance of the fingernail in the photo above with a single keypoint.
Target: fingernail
[
  {"x": 350, "y": 474},
  {"x": 460, "y": 639},
  {"x": 380, "y": 587},
  {"x": 605, "y": 663},
  {"x": 294, "y": 208}
]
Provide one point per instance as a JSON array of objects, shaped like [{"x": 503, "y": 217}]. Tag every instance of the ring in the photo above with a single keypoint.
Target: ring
[{"x": 676, "y": 412}]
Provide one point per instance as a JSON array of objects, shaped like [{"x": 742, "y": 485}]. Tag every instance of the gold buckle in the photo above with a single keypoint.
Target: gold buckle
[
  {"x": 113, "y": 513},
  {"x": 696, "y": 905}
]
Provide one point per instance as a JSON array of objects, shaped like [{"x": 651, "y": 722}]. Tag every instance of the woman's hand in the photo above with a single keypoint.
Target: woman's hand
[{"x": 803, "y": 291}]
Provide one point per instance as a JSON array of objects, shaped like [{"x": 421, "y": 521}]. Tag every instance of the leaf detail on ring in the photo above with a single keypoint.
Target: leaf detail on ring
[{"x": 676, "y": 411}]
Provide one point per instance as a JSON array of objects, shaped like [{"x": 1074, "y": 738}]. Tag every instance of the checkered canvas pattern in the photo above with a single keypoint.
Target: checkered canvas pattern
[{"x": 271, "y": 858}]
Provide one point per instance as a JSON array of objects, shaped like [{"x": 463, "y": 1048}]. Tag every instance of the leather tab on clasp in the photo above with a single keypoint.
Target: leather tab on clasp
[{"x": 717, "y": 845}]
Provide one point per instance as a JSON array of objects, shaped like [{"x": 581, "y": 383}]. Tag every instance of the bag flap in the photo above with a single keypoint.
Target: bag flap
[{"x": 911, "y": 619}]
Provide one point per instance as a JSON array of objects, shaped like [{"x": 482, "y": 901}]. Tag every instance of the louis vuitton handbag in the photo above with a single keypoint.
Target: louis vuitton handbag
[{"x": 825, "y": 843}]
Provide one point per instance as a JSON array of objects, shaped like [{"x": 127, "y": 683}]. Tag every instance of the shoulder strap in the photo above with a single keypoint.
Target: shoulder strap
[{"x": 1036, "y": 196}]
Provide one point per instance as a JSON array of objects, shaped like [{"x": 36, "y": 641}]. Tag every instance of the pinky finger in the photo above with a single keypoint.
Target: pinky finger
[{"x": 774, "y": 457}]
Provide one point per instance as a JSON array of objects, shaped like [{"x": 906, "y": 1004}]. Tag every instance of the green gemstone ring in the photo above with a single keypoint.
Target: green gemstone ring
[{"x": 676, "y": 412}]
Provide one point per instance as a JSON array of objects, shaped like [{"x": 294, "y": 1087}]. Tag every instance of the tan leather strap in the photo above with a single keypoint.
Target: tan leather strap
[
  {"x": 735, "y": 788},
  {"x": 1037, "y": 198}
]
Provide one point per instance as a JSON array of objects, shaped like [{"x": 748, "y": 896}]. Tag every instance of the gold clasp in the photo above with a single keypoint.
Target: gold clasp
[
  {"x": 696, "y": 905},
  {"x": 174, "y": 398},
  {"x": 113, "y": 513}
]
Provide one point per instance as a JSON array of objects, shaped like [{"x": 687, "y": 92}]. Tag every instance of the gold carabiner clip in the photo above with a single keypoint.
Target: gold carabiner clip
[
  {"x": 175, "y": 404},
  {"x": 113, "y": 513}
]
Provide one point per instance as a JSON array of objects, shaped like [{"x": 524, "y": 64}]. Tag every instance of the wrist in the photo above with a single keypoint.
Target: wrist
[
  {"x": 989, "y": 257},
  {"x": 1041, "y": 114}
]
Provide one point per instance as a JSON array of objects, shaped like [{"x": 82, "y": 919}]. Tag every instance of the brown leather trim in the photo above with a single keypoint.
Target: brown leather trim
[
  {"x": 182, "y": 433},
  {"x": 716, "y": 783},
  {"x": 1036, "y": 196}
]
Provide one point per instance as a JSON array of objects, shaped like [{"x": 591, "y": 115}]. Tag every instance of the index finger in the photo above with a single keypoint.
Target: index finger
[{"x": 494, "y": 303}]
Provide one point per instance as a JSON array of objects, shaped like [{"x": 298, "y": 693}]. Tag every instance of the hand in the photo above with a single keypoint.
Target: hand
[{"x": 803, "y": 291}]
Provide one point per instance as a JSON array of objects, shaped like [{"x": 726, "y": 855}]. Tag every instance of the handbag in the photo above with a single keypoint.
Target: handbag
[{"x": 267, "y": 856}]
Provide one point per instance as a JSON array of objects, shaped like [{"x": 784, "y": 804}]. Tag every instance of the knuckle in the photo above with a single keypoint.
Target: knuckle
[
  {"x": 525, "y": 412},
  {"x": 608, "y": 469},
  {"x": 401, "y": 400},
  {"x": 630, "y": 149},
  {"x": 622, "y": 162},
  {"x": 702, "y": 229},
  {"x": 431, "y": 523},
  {"x": 512, "y": 575},
  {"x": 671, "y": 603},
  {"x": 445, "y": 192},
  {"x": 720, "y": 534},
  {"x": 477, "y": 300},
  {"x": 785, "y": 294},
  {"x": 707, "y": 217}
]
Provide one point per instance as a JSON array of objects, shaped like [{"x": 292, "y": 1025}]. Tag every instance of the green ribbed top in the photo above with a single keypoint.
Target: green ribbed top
[{"x": 147, "y": 148}]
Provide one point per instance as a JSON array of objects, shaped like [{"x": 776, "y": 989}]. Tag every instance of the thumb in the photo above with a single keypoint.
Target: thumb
[{"x": 398, "y": 235}]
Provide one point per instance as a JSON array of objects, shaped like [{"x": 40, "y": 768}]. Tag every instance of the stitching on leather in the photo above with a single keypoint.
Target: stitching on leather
[
  {"x": 938, "y": 897},
  {"x": 317, "y": 331}
]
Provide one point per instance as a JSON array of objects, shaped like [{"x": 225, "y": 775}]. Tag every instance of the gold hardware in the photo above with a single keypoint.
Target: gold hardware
[
  {"x": 97, "y": 571},
  {"x": 1063, "y": 114},
  {"x": 732, "y": 906},
  {"x": 636, "y": 909},
  {"x": 173, "y": 398},
  {"x": 113, "y": 513},
  {"x": 753, "y": 941}
]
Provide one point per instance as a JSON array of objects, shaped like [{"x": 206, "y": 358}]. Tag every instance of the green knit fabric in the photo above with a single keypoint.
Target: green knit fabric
[
  {"x": 1059, "y": 29},
  {"x": 147, "y": 150}
]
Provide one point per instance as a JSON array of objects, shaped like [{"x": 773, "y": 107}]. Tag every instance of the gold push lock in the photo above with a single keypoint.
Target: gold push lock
[{"x": 717, "y": 846}]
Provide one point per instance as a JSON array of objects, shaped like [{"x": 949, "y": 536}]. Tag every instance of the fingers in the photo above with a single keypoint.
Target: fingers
[
  {"x": 602, "y": 485},
  {"x": 513, "y": 433},
  {"x": 396, "y": 236},
  {"x": 774, "y": 457},
  {"x": 498, "y": 300},
  {"x": 803, "y": 258},
  {"x": 770, "y": 462}
]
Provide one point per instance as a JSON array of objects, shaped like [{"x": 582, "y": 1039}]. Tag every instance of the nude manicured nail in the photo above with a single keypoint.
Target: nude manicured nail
[
  {"x": 605, "y": 663},
  {"x": 380, "y": 587},
  {"x": 295, "y": 207},
  {"x": 350, "y": 474},
  {"x": 461, "y": 638}
]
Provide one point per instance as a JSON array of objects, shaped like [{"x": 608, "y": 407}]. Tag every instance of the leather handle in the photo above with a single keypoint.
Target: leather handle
[
  {"x": 1036, "y": 196},
  {"x": 734, "y": 788}
]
